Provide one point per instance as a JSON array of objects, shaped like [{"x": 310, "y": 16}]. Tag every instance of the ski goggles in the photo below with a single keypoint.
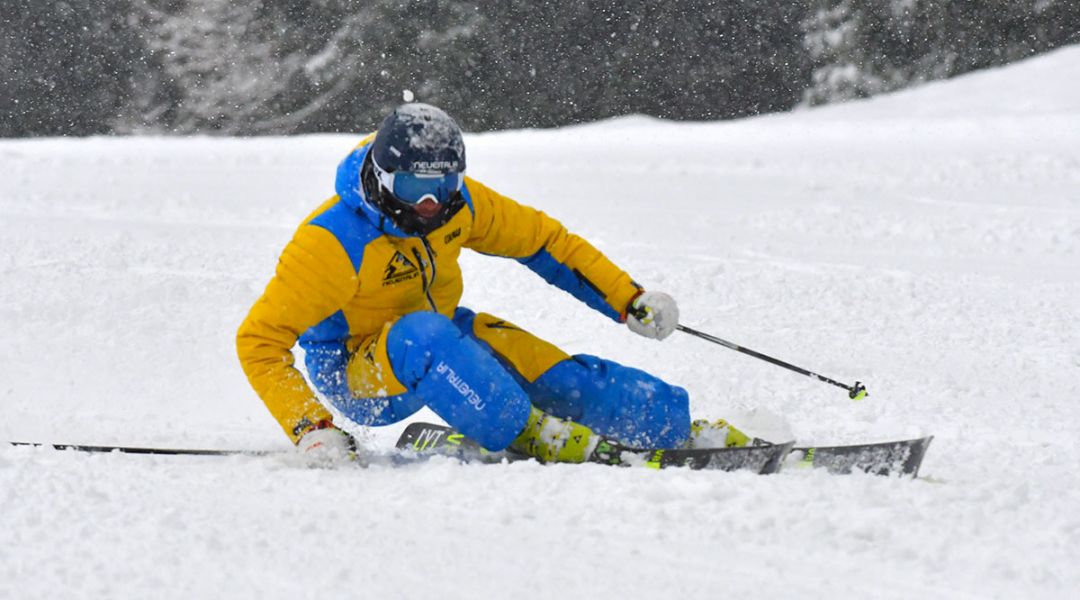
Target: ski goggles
[{"x": 414, "y": 188}]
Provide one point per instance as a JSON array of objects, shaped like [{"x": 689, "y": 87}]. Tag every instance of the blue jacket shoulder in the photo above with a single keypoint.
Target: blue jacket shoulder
[{"x": 352, "y": 230}]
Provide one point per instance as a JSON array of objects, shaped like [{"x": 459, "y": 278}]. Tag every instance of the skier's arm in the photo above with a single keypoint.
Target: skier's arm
[
  {"x": 505, "y": 228},
  {"x": 314, "y": 279}
]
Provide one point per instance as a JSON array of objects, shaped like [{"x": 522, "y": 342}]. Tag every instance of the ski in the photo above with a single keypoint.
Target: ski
[
  {"x": 430, "y": 438},
  {"x": 424, "y": 440},
  {"x": 903, "y": 457},
  {"x": 145, "y": 450}
]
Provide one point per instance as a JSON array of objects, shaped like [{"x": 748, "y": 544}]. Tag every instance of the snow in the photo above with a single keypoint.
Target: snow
[{"x": 925, "y": 243}]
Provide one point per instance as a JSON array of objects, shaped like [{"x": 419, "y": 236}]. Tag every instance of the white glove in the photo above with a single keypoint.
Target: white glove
[
  {"x": 326, "y": 446},
  {"x": 653, "y": 315}
]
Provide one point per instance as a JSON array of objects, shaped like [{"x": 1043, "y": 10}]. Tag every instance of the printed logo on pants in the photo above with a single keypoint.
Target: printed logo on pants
[{"x": 459, "y": 384}]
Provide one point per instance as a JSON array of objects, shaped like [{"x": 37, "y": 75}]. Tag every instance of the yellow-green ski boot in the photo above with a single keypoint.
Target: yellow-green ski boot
[
  {"x": 551, "y": 439},
  {"x": 716, "y": 434}
]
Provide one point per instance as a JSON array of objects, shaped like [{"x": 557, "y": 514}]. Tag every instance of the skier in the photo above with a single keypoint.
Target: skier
[{"x": 370, "y": 284}]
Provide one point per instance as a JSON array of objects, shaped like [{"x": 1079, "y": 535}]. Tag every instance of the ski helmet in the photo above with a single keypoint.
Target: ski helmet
[{"x": 416, "y": 168}]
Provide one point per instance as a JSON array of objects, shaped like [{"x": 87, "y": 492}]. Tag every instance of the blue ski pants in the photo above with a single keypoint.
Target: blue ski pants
[{"x": 482, "y": 374}]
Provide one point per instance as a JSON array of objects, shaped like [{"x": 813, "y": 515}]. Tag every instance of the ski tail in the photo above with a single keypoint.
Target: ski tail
[{"x": 145, "y": 450}]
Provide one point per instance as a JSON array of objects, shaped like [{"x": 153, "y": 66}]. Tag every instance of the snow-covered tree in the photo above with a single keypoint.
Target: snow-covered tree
[
  {"x": 220, "y": 66},
  {"x": 864, "y": 47},
  {"x": 261, "y": 66},
  {"x": 65, "y": 67},
  {"x": 285, "y": 66}
]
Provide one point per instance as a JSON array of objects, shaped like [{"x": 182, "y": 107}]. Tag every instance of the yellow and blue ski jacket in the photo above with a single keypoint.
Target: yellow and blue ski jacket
[{"x": 347, "y": 273}]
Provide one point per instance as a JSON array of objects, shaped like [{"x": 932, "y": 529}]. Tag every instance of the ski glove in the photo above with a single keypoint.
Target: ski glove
[
  {"x": 653, "y": 315},
  {"x": 326, "y": 445}
]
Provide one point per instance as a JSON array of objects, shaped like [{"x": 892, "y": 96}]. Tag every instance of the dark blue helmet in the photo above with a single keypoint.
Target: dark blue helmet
[
  {"x": 419, "y": 138},
  {"x": 417, "y": 168}
]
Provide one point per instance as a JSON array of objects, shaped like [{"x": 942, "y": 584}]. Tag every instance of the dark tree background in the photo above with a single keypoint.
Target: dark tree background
[
  {"x": 248, "y": 67},
  {"x": 864, "y": 47},
  {"x": 65, "y": 67}
]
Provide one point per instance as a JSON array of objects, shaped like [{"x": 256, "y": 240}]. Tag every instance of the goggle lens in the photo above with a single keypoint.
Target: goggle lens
[{"x": 413, "y": 188}]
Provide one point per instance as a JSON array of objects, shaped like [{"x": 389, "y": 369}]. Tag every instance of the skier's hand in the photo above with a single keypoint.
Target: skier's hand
[
  {"x": 653, "y": 315},
  {"x": 326, "y": 445}
]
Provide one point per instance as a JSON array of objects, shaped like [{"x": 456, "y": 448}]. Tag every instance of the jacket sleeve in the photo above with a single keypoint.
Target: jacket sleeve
[
  {"x": 503, "y": 227},
  {"x": 313, "y": 280}
]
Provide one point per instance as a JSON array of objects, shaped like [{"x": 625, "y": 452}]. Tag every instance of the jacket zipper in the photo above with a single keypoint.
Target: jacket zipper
[{"x": 427, "y": 283}]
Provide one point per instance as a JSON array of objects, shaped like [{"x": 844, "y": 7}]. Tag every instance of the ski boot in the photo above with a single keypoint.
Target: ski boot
[
  {"x": 551, "y": 439},
  {"x": 718, "y": 434}
]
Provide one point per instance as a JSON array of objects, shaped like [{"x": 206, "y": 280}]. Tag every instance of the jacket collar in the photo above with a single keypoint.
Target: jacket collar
[{"x": 349, "y": 189}]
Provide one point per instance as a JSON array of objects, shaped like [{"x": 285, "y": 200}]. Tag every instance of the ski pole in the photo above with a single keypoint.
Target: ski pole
[{"x": 855, "y": 392}]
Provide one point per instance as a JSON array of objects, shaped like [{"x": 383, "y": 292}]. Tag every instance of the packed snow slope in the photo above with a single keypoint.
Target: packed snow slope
[{"x": 926, "y": 243}]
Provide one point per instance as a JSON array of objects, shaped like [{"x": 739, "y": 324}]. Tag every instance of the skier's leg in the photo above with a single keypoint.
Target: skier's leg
[
  {"x": 630, "y": 405},
  {"x": 360, "y": 383},
  {"x": 627, "y": 404},
  {"x": 422, "y": 359},
  {"x": 524, "y": 354}
]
